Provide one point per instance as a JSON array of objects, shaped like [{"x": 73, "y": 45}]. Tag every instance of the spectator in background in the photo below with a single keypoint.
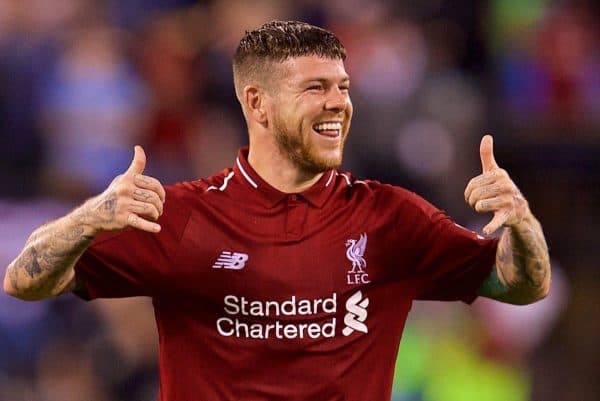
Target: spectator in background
[
  {"x": 20, "y": 136},
  {"x": 168, "y": 61},
  {"x": 551, "y": 70},
  {"x": 94, "y": 107}
]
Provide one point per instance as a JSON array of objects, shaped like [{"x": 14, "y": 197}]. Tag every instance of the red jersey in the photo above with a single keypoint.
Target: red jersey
[{"x": 262, "y": 295}]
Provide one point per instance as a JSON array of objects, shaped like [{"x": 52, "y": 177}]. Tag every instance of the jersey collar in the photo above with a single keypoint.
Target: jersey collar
[{"x": 316, "y": 195}]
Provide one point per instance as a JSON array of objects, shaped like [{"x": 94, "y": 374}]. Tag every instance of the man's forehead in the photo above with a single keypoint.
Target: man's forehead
[{"x": 303, "y": 68}]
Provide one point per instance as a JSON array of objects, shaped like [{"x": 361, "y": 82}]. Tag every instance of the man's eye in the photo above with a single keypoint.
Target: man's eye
[
  {"x": 344, "y": 88},
  {"x": 315, "y": 87}
]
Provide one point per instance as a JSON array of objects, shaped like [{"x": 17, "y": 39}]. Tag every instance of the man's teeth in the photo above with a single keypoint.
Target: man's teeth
[{"x": 328, "y": 127}]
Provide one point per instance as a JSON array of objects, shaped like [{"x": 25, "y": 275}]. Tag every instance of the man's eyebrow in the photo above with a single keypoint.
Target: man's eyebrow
[{"x": 346, "y": 78}]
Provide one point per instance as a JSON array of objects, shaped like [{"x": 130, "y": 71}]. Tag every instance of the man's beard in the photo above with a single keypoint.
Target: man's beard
[{"x": 302, "y": 154}]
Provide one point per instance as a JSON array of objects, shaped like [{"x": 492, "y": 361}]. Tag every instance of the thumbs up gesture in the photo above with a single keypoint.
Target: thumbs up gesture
[
  {"x": 494, "y": 191},
  {"x": 131, "y": 200}
]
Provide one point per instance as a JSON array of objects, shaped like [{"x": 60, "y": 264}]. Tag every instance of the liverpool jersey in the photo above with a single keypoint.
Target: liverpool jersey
[{"x": 264, "y": 295}]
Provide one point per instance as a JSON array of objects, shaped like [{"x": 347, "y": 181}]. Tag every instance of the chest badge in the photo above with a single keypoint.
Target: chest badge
[{"x": 355, "y": 251}]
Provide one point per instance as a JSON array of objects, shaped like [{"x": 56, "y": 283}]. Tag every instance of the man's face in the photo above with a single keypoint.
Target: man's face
[{"x": 311, "y": 112}]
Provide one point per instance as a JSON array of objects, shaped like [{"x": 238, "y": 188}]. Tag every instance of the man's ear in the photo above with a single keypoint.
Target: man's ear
[{"x": 255, "y": 103}]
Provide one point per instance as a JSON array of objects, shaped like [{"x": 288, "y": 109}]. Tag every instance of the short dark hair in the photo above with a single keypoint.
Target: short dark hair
[
  {"x": 280, "y": 40},
  {"x": 277, "y": 41}
]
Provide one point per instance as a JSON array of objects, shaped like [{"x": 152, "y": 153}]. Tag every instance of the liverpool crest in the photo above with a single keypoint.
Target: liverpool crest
[{"x": 355, "y": 253}]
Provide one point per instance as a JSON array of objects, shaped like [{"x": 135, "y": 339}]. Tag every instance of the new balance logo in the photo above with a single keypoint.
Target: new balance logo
[
  {"x": 231, "y": 260},
  {"x": 356, "y": 306}
]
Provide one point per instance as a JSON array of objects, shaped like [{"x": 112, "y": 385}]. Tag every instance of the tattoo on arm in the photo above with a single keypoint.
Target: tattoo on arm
[
  {"x": 522, "y": 265},
  {"x": 43, "y": 266},
  {"x": 30, "y": 262},
  {"x": 531, "y": 253}
]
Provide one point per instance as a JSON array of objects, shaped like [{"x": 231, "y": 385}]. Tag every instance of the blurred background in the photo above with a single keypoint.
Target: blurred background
[{"x": 82, "y": 81}]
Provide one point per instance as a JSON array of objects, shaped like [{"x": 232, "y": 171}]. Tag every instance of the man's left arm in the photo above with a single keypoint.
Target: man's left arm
[{"x": 521, "y": 274}]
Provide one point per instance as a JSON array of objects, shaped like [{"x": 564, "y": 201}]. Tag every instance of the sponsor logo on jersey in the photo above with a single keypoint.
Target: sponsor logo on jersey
[
  {"x": 263, "y": 320},
  {"x": 355, "y": 251},
  {"x": 354, "y": 320},
  {"x": 292, "y": 318},
  {"x": 231, "y": 260}
]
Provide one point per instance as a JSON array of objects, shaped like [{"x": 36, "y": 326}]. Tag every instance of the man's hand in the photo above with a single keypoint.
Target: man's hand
[
  {"x": 131, "y": 200},
  {"x": 521, "y": 274},
  {"x": 494, "y": 191}
]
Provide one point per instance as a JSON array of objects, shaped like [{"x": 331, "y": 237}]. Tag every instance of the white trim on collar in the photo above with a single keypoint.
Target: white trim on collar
[
  {"x": 246, "y": 176},
  {"x": 330, "y": 178},
  {"x": 346, "y": 178}
]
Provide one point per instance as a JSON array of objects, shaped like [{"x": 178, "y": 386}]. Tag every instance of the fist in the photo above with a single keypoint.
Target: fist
[
  {"x": 132, "y": 200},
  {"x": 494, "y": 191}
]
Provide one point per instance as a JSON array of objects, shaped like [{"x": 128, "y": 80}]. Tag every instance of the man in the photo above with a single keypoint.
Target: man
[{"x": 281, "y": 278}]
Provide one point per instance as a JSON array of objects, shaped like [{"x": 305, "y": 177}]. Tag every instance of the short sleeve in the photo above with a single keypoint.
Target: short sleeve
[
  {"x": 132, "y": 262},
  {"x": 444, "y": 261},
  {"x": 453, "y": 262}
]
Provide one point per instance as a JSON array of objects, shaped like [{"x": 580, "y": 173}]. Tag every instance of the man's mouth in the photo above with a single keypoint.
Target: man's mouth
[{"x": 330, "y": 129}]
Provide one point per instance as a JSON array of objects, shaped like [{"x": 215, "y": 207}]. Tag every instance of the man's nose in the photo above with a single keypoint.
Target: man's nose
[{"x": 336, "y": 100}]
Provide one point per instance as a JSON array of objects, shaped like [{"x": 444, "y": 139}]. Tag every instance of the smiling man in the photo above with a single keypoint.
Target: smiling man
[
  {"x": 296, "y": 103},
  {"x": 282, "y": 278}
]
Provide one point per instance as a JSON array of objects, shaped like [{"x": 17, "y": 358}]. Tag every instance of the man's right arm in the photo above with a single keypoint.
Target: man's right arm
[{"x": 45, "y": 266}]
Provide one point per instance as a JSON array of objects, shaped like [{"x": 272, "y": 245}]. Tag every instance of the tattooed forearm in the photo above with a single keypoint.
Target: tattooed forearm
[
  {"x": 30, "y": 263},
  {"x": 64, "y": 246},
  {"x": 71, "y": 235},
  {"x": 45, "y": 265},
  {"x": 522, "y": 273},
  {"x": 530, "y": 252}
]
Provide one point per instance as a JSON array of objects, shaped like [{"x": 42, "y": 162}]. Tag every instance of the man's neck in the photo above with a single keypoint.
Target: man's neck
[{"x": 280, "y": 172}]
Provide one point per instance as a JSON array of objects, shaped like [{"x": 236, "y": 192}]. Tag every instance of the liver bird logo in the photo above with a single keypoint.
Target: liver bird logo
[{"x": 355, "y": 253}]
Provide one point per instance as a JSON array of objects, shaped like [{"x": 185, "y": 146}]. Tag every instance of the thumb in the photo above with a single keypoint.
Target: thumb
[
  {"x": 139, "y": 161},
  {"x": 486, "y": 152}
]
